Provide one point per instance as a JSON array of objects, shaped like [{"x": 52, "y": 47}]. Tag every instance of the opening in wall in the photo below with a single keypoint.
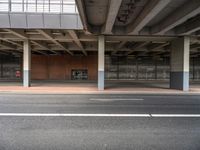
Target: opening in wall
[{"x": 79, "y": 74}]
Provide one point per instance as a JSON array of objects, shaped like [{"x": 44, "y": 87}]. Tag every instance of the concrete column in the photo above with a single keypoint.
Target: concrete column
[
  {"x": 180, "y": 54},
  {"x": 27, "y": 64},
  {"x": 2, "y": 61},
  {"x": 101, "y": 53}
]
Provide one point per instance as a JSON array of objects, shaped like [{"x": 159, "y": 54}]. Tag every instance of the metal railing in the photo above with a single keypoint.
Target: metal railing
[{"x": 38, "y": 6}]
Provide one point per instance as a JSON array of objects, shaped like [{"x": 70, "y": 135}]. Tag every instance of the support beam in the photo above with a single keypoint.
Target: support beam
[
  {"x": 18, "y": 33},
  {"x": 75, "y": 38},
  {"x": 157, "y": 47},
  {"x": 189, "y": 27},
  {"x": 14, "y": 43},
  {"x": 7, "y": 45},
  {"x": 179, "y": 74},
  {"x": 114, "y": 6},
  {"x": 4, "y": 53},
  {"x": 101, "y": 53},
  {"x": 44, "y": 46},
  {"x": 136, "y": 47},
  {"x": 140, "y": 38},
  {"x": 48, "y": 35},
  {"x": 151, "y": 9},
  {"x": 121, "y": 44},
  {"x": 40, "y": 52},
  {"x": 81, "y": 9},
  {"x": 194, "y": 46},
  {"x": 180, "y": 15},
  {"x": 12, "y": 51},
  {"x": 27, "y": 64}
]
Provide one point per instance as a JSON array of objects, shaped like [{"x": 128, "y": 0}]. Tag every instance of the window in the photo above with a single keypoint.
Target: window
[
  {"x": 4, "y": 5},
  {"x": 40, "y": 6},
  {"x": 46, "y": 6},
  {"x": 55, "y": 6},
  {"x": 17, "y": 5}
]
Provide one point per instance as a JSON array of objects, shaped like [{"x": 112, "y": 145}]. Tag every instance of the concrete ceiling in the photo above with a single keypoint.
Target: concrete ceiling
[
  {"x": 140, "y": 17},
  {"x": 77, "y": 42},
  {"x": 97, "y": 10}
]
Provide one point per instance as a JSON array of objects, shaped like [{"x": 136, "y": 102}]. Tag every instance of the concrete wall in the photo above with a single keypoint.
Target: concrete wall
[{"x": 59, "y": 67}]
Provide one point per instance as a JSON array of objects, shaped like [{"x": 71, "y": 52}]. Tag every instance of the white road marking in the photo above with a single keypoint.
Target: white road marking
[
  {"x": 96, "y": 115},
  {"x": 175, "y": 115},
  {"x": 116, "y": 99},
  {"x": 71, "y": 115}
]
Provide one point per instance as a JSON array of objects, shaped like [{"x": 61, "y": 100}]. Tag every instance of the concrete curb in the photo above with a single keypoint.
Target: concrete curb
[{"x": 98, "y": 92}]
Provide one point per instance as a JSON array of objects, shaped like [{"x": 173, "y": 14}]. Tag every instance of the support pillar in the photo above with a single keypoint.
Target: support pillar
[
  {"x": 101, "y": 53},
  {"x": 26, "y": 64},
  {"x": 180, "y": 54}
]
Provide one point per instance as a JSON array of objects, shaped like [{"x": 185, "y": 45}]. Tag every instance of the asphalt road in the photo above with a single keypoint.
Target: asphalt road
[{"x": 86, "y": 124}]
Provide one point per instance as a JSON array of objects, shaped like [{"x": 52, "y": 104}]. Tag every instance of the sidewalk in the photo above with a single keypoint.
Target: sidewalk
[{"x": 112, "y": 87}]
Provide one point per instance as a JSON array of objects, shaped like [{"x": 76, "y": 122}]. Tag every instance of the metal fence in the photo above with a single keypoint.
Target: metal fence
[{"x": 38, "y": 6}]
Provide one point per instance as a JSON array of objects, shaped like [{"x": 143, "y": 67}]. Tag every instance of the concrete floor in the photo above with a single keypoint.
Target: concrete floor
[{"x": 114, "y": 86}]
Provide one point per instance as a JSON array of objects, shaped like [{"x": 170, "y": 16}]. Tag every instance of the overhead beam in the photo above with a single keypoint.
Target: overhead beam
[
  {"x": 93, "y": 38},
  {"x": 13, "y": 42},
  {"x": 41, "y": 44},
  {"x": 18, "y": 33},
  {"x": 140, "y": 38},
  {"x": 81, "y": 8},
  {"x": 119, "y": 46},
  {"x": 151, "y": 9},
  {"x": 75, "y": 38},
  {"x": 44, "y": 46},
  {"x": 48, "y": 35},
  {"x": 3, "y": 52},
  {"x": 7, "y": 45},
  {"x": 137, "y": 46},
  {"x": 11, "y": 51},
  {"x": 194, "y": 46},
  {"x": 40, "y": 52},
  {"x": 157, "y": 46},
  {"x": 114, "y": 7},
  {"x": 180, "y": 15},
  {"x": 189, "y": 27}
]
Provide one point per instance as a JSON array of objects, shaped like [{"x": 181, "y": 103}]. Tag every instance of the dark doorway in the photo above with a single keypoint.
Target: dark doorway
[{"x": 79, "y": 74}]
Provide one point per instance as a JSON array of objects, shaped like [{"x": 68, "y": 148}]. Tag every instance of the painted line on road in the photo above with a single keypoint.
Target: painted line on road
[
  {"x": 175, "y": 115},
  {"x": 71, "y": 115},
  {"x": 96, "y": 115},
  {"x": 116, "y": 99}
]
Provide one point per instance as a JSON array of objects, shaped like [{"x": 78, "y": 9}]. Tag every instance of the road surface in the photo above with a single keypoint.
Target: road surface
[{"x": 99, "y": 122}]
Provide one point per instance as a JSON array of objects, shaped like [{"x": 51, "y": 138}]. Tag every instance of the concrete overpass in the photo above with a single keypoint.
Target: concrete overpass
[
  {"x": 140, "y": 17},
  {"x": 150, "y": 18}
]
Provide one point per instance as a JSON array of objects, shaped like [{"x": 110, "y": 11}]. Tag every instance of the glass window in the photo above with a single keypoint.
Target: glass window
[
  {"x": 40, "y": 6},
  {"x": 46, "y": 6},
  {"x": 17, "y": 5},
  {"x": 68, "y": 8},
  {"x": 4, "y": 7},
  {"x": 31, "y": 6},
  {"x": 55, "y": 6},
  {"x": 68, "y": 2}
]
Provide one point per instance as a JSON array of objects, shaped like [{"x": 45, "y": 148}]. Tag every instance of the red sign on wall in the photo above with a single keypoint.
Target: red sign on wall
[{"x": 18, "y": 74}]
